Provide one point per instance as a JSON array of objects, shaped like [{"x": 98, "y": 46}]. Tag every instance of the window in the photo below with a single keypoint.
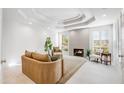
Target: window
[{"x": 100, "y": 42}]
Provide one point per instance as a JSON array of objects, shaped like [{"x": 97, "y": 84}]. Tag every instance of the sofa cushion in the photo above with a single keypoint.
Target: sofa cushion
[
  {"x": 28, "y": 53},
  {"x": 56, "y": 49},
  {"x": 40, "y": 57}
]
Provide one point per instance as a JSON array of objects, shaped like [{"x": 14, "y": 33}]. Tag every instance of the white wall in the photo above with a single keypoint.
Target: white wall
[
  {"x": 78, "y": 39},
  {"x": 81, "y": 38},
  {"x": 0, "y": 31},
  {"x": 18, "y": 37}
]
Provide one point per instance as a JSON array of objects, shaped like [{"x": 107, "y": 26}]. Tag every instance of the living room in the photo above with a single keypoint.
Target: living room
[{"x": 80, "y": 35}]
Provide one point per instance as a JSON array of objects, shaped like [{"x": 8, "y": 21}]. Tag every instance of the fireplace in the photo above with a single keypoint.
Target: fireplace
[{"x": 79, "y": 52}]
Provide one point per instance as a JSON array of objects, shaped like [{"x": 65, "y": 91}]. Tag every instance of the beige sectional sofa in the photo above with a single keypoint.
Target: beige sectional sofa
[{"x": 40, "y": 69}]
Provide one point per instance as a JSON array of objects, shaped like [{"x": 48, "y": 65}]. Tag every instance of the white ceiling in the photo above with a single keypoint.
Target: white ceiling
[
  {"x": 55, "y": 15},
  {"x": 105, "y": 15},
  {"x": 59, "y": 13}
]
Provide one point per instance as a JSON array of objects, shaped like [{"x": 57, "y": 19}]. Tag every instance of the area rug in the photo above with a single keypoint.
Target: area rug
[{"x": 71, "y": 65}]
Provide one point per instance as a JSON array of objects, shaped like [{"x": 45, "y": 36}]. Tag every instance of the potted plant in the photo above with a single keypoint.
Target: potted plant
[
  {"x": 88, "y": 53},
  {"x": 48, "y": 45}
]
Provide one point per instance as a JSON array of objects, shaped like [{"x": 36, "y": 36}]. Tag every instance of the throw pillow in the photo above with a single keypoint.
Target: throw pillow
[
  {"x": 54, "y": 58},
  {"x": 28, "y": 53},
  {"x": 57, "y": 49}
]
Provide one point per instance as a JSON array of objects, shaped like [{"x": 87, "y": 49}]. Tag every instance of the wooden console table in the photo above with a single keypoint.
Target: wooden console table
[{"x": 106, "y": 58}]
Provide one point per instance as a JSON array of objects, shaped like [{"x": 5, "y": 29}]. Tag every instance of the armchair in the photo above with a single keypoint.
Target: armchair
[{"x": 56, "y": 51}]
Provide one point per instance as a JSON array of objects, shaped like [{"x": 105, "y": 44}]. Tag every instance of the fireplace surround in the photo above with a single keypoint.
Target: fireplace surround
[{"x": 78, "y": 52}]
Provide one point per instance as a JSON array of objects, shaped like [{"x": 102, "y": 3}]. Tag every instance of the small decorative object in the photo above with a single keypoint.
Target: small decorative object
[
  {"x": 88, "y": 53},
  {"x": 48, "y": 45}
]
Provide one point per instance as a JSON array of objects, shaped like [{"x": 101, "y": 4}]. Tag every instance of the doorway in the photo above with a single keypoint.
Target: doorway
[{"x": 121, "y": 43}]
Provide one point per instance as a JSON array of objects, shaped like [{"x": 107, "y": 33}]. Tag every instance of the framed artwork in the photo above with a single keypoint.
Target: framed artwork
[{"x": 65, "y": 43}]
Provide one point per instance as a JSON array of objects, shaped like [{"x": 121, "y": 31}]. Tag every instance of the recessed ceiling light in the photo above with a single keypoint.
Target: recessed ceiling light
[
  {"x": 104, "y": 15},
  {"x": 30, "y": 23}
]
